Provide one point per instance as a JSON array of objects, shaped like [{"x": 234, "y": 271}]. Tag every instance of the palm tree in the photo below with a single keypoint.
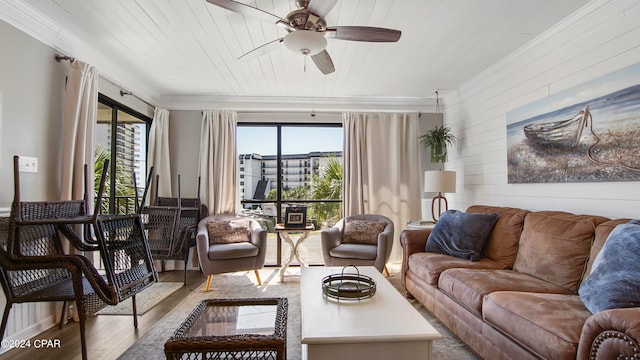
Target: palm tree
[
  {"x": 123, "y": 186},
  {"x": 327, "y": 186}
]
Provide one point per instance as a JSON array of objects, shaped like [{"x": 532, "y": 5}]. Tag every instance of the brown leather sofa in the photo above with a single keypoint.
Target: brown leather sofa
[{"x": 520, "y": 300}]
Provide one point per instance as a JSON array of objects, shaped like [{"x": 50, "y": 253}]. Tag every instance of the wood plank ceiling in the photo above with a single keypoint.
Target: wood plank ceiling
[{"x": 190, "y": 47}]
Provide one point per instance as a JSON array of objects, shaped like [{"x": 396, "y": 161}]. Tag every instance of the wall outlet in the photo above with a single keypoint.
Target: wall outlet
[{"x": 28, "y": 164}]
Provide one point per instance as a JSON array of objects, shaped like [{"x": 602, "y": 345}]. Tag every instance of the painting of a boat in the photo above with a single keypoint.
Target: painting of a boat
[{"x": 565, "y": 133}]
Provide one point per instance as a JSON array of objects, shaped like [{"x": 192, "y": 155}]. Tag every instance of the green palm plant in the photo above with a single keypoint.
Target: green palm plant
[
  {"x": 436, "y": 141},
  {"x": 327, "y": 185},
  {"x": 123, "y": 181}
]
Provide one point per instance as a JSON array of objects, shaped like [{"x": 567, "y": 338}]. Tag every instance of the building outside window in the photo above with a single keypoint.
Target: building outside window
[
  {"x": 286, "y": 164},
  {"x": 121, "y": 137}
]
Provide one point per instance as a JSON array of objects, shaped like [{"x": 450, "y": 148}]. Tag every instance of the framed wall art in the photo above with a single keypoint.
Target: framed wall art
[{"x": 589, "y": 133}]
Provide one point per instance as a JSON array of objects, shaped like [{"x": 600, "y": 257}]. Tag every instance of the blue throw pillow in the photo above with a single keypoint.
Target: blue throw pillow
[
  {"x": 460, "y": 234},
  {"x": 613, "y": 282}
]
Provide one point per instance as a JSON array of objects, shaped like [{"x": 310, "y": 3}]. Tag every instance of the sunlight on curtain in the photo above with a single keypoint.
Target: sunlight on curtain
[
  {"x": 218, "y": 165},
  {"x": 80, "y": 115},
  {"x": 159, "y": 156},
  {"x": 382, "y": 168},
  {"x": 78, "y": 131}
]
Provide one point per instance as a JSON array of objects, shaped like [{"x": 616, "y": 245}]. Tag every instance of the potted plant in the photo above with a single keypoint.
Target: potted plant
[{"x": 436, "y": 141}]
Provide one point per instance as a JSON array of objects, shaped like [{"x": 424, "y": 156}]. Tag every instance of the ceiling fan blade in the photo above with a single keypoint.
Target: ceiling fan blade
[
  {"x": 323, "y": 62},
  {"x": 247, "y": 10},
  {"x": 261, "y": 50},
  {"x": 321, "y": 7},
  {"x": 363, "y": 33}
]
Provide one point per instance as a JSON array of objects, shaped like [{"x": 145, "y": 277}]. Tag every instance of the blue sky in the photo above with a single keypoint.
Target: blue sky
[{"x": 295, "y": 140}]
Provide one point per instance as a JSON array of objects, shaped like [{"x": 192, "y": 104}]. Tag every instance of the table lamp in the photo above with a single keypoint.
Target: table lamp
[{"x": 439, "y": 181}]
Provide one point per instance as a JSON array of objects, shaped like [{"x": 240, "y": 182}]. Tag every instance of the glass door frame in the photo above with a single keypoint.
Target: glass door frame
[
  {"x": 279, "y": 201},
  {"x": 115, "y": 108}
]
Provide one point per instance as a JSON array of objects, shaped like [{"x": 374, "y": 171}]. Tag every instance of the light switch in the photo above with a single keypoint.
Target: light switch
[{"x": 28, "y": 164}]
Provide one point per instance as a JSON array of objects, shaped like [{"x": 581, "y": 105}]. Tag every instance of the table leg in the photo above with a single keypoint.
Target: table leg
[
  {"x": 292, "y": 247},
  {"x": 302, "y": 238}
]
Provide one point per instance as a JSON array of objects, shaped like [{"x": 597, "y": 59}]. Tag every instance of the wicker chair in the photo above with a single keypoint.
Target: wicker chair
[
  {"x": 171, "y": 232},
  {"x": 171, "y": 225},
  {"x": 34, "y": 268}
]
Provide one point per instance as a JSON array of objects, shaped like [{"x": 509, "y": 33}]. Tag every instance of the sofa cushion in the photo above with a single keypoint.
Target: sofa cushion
[
  {"x": 547, "y": 324},
  {"x": 355, "y": 251},
  {"x": 502, "y": 244},
  {"x": 613, "y": 282},
  {"x": 468, "y": 287},
  {"x": 460, "y": 234},
  {"x": 229, "y": 231},
  {"x": 554, "y": 246},
  {"x": 232, "y": 251},
  {"x": 428, "y": 266},
  {"x": 362, "y": 231}
]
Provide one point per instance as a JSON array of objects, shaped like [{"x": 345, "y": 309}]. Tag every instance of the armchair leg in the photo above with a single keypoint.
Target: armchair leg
[
  {"x": 62, "y": 314},
  {"x": 135, "y": 311},
  {"x": 209, "y": 278},
  {"x": 386, "y": 271},
  {"x": 258, "y": 277},
  {"x": 5, "y": 319}
]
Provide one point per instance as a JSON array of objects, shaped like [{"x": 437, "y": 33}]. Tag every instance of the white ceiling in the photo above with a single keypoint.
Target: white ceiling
[{"x": 177, "y": 49}]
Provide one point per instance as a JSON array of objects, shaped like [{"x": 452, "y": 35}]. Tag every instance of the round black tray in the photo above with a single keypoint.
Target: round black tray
[{"x": 348, "y": 286}]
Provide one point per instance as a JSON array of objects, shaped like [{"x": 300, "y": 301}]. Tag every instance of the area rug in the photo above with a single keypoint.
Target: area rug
[
  {"x": 145, "y": 300},
  {"x": 242, "y": 285}
]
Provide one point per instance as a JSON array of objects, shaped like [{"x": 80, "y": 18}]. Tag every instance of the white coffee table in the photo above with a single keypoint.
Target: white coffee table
[{"x": 384, "y": 326}]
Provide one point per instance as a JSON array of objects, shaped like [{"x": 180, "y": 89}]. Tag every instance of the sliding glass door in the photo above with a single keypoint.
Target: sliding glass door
[
  {"x": 284, "y": 164},
  {"x": 121, "y": 137}
]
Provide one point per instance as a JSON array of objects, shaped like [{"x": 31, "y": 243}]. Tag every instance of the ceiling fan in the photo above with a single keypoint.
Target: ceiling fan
[{"x": 308, "y": 30}]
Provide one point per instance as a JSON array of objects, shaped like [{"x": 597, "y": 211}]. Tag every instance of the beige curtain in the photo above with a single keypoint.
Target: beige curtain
[
  {"x": 80, "y": 114},
  {"x": 158, "y": 156},
  {"x": 218, "y": 166},
  {"x": 382, "y": 168}
]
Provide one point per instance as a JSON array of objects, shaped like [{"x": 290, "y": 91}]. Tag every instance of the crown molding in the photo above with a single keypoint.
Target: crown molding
[
  {"x": 34, "y": 23},
  {"x": 298, "y": 104},
  {"x": 38, "y": 25},
  {"x": 592, "y": 7}
]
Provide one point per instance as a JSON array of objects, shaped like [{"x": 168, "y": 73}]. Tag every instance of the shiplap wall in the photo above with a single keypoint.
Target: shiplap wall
[{"x": 601, "y": 38}]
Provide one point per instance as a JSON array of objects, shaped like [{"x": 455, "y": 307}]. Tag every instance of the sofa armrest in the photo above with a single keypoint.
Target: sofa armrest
[
  {"x": 412, "y": 241},
  {"x": 611, "y": 334}
]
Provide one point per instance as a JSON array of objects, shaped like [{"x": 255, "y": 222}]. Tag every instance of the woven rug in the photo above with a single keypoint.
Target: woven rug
[
  {"x": 145, "y": 300},
  {"x": 242, "y": 285}
]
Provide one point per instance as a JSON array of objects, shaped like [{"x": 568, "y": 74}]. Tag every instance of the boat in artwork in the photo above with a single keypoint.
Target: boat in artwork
[{"x": 564, "y": 133}]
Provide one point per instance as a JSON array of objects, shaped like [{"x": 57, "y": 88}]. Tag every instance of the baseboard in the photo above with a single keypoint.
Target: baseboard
[{"x": 29, "y": 332}]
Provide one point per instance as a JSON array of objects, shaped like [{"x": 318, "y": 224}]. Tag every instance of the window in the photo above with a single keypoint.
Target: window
[
  {"x": 121, "y": 137},
  {"x": 292, "y": 164}
]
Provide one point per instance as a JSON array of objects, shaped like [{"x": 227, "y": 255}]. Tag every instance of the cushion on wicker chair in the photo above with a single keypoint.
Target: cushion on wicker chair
[
  {"x": 362, "y": 231},
  {"x": 227, "y": 232}
]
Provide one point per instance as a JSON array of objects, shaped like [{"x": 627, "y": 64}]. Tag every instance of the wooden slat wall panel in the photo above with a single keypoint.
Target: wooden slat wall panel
[{"x": 603, "y": 39}]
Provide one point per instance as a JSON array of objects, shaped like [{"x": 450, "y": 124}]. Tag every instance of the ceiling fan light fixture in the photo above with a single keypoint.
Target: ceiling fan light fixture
[{"x": 305, "y": 42}]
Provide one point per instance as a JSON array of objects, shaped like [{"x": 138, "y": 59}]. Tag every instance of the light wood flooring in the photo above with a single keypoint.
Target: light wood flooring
[{"x": 108, "y": 336}]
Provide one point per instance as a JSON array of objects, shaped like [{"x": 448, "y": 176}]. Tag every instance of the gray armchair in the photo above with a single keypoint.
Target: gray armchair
[
  {"x": 364, "y": 239},
  {"x": 244, "y": 248}
]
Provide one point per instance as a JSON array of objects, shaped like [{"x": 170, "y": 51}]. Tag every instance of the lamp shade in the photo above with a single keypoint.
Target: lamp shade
[
  {"x": 305, "y": 42},
  {"x": 440, "y": 181}
]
